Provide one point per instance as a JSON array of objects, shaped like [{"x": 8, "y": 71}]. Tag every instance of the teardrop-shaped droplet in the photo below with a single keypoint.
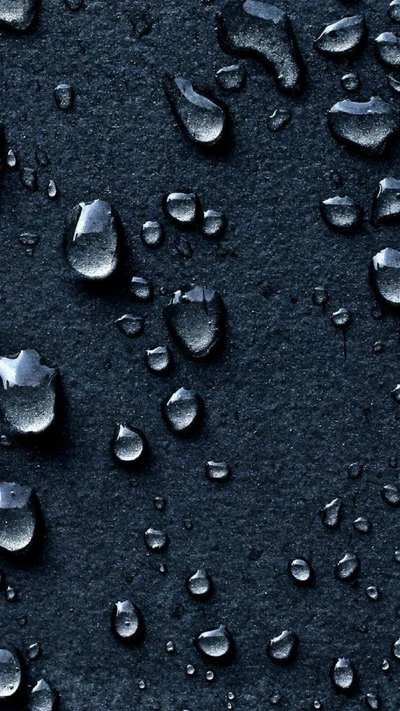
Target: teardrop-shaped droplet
[
  {"x": 331, "y": 514},
  {"x": 200, "y": 584},
  {"x": 18, "y": 14},
  {"x": 129, "y": 445},
  {"x": 342, "y": 37},
  {"x": 18, "y": 517},
  {"x": 64, "y": 96},
  {"x": 43, "y": 697},
  {"x": 203, "y": 119},
  {"x": 385, "y": 270},
  {"x": 387, "y": 201},
  {"x": 342, "y": 213},
  {"x": 28, "y": 395},
  {"x": 387, "y": 48},
  {"x": 367, "y": 125},
  {"x": 256, "y": 27},
  {"x": 343, "y": 674},
  {"x": 127, "y": 621},
  {"x": 216, "y": 644},
  {"x": 183, "y": 410},
  {"x": 92, "y": 239},
  {"x": 10, "y": 672},
  {"x": 347, "y": 567},
  {"x": 283, "y": 647},
  {"x": 196, "y": 319},
  {"x": 182, "y": 208}
]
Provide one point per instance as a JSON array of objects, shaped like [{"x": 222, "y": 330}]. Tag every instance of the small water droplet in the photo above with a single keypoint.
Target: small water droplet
[
  {"x": 283, "y": 648},
  {"x": 18, "y": 517},
  {"x": 183, "y": 208},
  {"x": 372, "y": 702},
  {"x": 231, "y": 78},
  {"x": 351, "y": 81},
  {"x": 341, "y": 318},
  {"x": 385, "y": 270},
  {"x": 190, "y": 670},
  {"x": 362, "y": 525},
  {"x": 170, "y": 647},
  {"x": 355, "y": 470},
  {"x": 279, "y": 119},
  {"x": 156, "y": 540},
  {"x": 11, "y": 593},
  {"x": 385, "y": 666},
  {"x": 213, "y": 224},
  {"x": 130, "y": 325},
  {"x": 343, "y": 674},
  {"x": 342, "y": 37},
  {"x": 43, "y": 697},
  {"x": 152, "y": 233},
  {"x": 127, "y": 621},
  {"x": 216, "y": 644},
  {"x": 203, "y": 119},
  {"x": 129, "y": 445},
  {"x": 141, "y": 289},
  {"x": 387, "y": 48},
  {"x": 396, "y": 649},
  {"x": 378, "y": 347},
  {"x": 196, "y": 319},
  {"x": 142, "y": 685},
  {"x": 331, "y": 514},
  {"x": 159, "y": 360},
  {"x": 183, "y": 410},
  {"x": 210, "y": 676},
  {"x": 391, "y": 494},
  {"x": 200, "y": 584},
  {"x": 18, "y": 14},
  {"x": 52, "y": 190},
  {"x": 373, "y": 592},
  {"x": 347, "y": 567},
  {"x": 387, "y": 201},
  {"x": 34, "y": 651},
  {"x": 397, "y": 555},
  {"x": 342, "y": 213},
  {"x": 217, "y": 471},
  {"x": 320, "y": 296},
  {"x": 12, "y": 160},
  {"x": 367, "y": 125},
  {"x": 301, "y": 571},
  {"x": 28, "y": 178},
  {"x": 64, "y": 96}
]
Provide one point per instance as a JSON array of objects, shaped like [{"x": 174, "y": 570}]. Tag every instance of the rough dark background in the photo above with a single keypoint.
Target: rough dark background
[{"x": 283, "y": 405}]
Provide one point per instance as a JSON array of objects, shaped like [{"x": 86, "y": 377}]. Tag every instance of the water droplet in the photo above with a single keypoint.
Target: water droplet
[
  {"x": 279, "y": 119},
  {"x": 11, "y": 593},
  {"x": 396, "y": 394},
  {"x": 190, "y": 670},
  {"x": 396, "y": 649},
  {"x": 142, "y": 685},
  {"x": 342, "y": 37},
  {"x": 387, "y": 201},
  {"x": 362, "y": 525},
  {"x": 43, "y": 697},
  {"x": 391, "y": 494},
  {"x": 152, "y": 233},
  {"x": 18, "y": 14},
  {"x": 28, "y": 178},
  {"x": 342, "y": 213},
  {"x": 231, "y": 78},
  {"x": 341, "y": 318},
  {"x": 331, "y": 514},
  {"x": 283, "y": 648},
  {"x": 317, "y": 704},
  {"x": 18, "y": 517},
  {"x": 10, "y": 672},
  {"x": 170, "y": 647},
  {"x": 12, "y": 160},
  {"x": 367, "y": 125},
  {"x": 29, "y": 239},
  {"x": 141, "y": 289},
  {"x": 34, "y": 651},
  {"x": 52, "y": 190},
  {"x": 216, "y": 644},
  {"x": 355, "y": 470},
  {"x": 373, "y": 592},
  {"x": 183, "y": 208},
  {"x": 91, "y": 239},
  {"x": 275, "y": 698},
  {"x": 129, "y": 445},
  {"x": 372, "y": 702},
  {"x": 210, "y": 676},
  {"x": 214, "y": 223},
  {"x": 127, "y": 621},
  {"x": 183, "y": 410},
  {"x": 378, "y": 347},
  {"x": 156, "y": 540},
  {"x": 203, "y": 119},
  {"x": 196, "y": 319},
  {"x": 394, "y": 10},
  {"x": 301, "y": 571},
  {"x": 343, "y": 675},
  {"x": 200, "y": 584},
  {"x": 385, "y": 268},
  {"x": 130, "y": 325},
  {"x": 394, "y": 83},
  {"x": 385, "y": 666},
  {"x": 387, "y": 48},
  {"x": 320, "y": 296},
  {"x": 64, "y": 96},
  {"x": 159, "y": 503},
  {"x": 255, "y": 27},
  {"x": 351, "y": 81},
  {"x": 347, "y": 567},
  {"x": 397, "y": 555},
  {"x": 159, "y": 360},
  {"x": 184, "y": 247},
  {"x": 28, "y": 396},
  {"x": 217, "y": 471}
]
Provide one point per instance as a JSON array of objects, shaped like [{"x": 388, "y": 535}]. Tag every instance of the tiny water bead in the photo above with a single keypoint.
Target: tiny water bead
[
  {"x": 11, "y": 593},
  {"x": 217, "y": 471},
  {"x": 210, "y": 675},
  {"x": 182, "y": 208},
  {"x": 18, "y": 517},
  {"x": 200, "y": 584},
  {"x": 183, "y": 410},
  {"x": 373, "y": 592},
  {"x": 141, "y": 289},
  {"x": 362, "y": 525},
  {"x": 366, "y": 126},
  {"x": 283, "y": 648},
  {"x": 129, "y": 445},
  {"x": 213, "y": 224},
  {"x": 91, "y": 239},
  {"x": 394, "y": 10},
  {"x": 170, "y": 647},
  {"x": 10, "y": 672},
  {"x": 152, "y": 233},
  {"x": 18, "y": 14},
  {"x": 385, "y": 270},
  {"x": 231, "y": 78},
  {"x": 156, "y": 540},
  {"x": 351, "y": 81},
  {"x": 216, "y": 644},
  {"x": 300, "y": 570},
  {"x": 34, "y": 651},
  {"x": 203, "y": 119},
  {"x": 341, "y": 318},
  {"x": 29, "y": 179},
  {"x": 343, "y": 674},
  {"x": 28, "y": 396},
  {"x": 387, "y": 201},
  {"x": 342, "y": 37},
  {"x": 127, "y": 621},
  {"x": 196, "y": 318},
  {"x": 355, "y": 470},
  {"x": 278, "y": 120},
  {"x": 331, "y": 514},
  {"x": 131, "y": 325},
  {"x": 64, "y": 96},
  {"x": 385, "y": 666},
  {"x": 342, "y": 213},
  {"x": 320, "y": 296},
  {"x": 159, "y": 360},
  {"x": 258, "y": 28},
  {"x": 348, "y": 567},
  {"x": 387, "y": 48},
  {"x": 12, "y": 160},
  {"x": 43, "y": 697},
  {"x": 391, "y": 495},
  {"x": 190, "y": 669}
]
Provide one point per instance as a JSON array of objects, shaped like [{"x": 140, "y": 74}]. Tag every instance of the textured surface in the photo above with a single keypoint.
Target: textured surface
[{"x": 283, "y": 406}]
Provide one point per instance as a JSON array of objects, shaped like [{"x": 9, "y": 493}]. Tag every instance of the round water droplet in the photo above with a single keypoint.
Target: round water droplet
[
  {"x": 183, "y": 208},
  {"x": 190, "y": 670},
  {"x": 301, "y": 571},
  {"x": 131, "y": 325},
  {"x": 210, "y": 676},
  {"x": 127, "y": 621},
  {"x": 385, "y": 269},
  {"x": 331, "y": 514},
  {"x": 217, "y": 471},
  {"x": 10, "y": 672},
  {"x": 343, "y": 675},
  {"x": 351, "y": 81},
  {"x": 183, "y": 410},
  {"x": 372, "y": 702},
  {"x": 342, "y": 37},
  {"x": 196, "y": 318},
  {"x": 279, "y": 119},
  {"x": 373, "y": 592},
  {"x": 92, "y": 239},
  {"x": 342, "y": 213},
  {"x": 231, "y": 78},
  {"x": 152, "y": 234},
  {"x": 204, "y": 120},
  {"x": 216, "y": 644},
  {"x": 156, "y": 540},
  {"x": 159, "y": 360},
  {"x": 213, "y": 224},
  {"x": 341, "y": 318},
  {"x": 129, "y": 445},
  {"x": 283, "y": 648},
  {"x": 362, "y": 525},
  {"x": 200, "y": 584},
  {"x": 141, "y": 289},
  {"x": 367, "y": 126},
  {"x": 347, "y": 567},
  {"x": 43, "y": 697},
  {"x": 391, "y": 494},
  {"x": 64, "y": 96},
  {"x": 18, "y": 517}
]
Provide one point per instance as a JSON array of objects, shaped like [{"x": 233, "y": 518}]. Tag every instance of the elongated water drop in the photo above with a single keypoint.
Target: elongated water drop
[{"x": 203, "y": 119}]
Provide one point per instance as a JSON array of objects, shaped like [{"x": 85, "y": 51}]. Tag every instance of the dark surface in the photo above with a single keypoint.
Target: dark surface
[{"x": 283, "y": 405}]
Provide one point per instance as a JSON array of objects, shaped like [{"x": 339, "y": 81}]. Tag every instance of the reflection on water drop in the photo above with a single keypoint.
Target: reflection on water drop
[
  {"x": 141, "y": 289},
  {"x": 156, "y": 540},
  {"x": 278, "y": 120},
  {"x": 18, "y": 14},
  {"x": 91, "y": 239},
  {"x": 387, "y": 201},
  {"x": 367, "y": 125},
  {"x": 341, "y": 318},
  {"x": 216, "y": 644},
  {"x": 343, "y": 674},
  {"x": 196, "y": 319},
  {"x": 351, "y": 81},
  {"x": 33, "y": 651},
  {"x": 391, "y": 494},
  {"x": 64, "y": 96},
  {"x": 347, "y": 567},
  {"x": 301, "y": 571},
  {"x": 52, "y": 190},
  {"x": 43, "y": 697},
  {"x": 152, "y": 233},
  {"x": 362, "y": 525},
  {"x": 130, "y": 325},
  {"x": 202, "y": 118},
  {"x": 373, "y": 592},
  {"x": 12, "y": 160},
  {"x": 159, "y": 360},
  {"x": 342, "y": 37},
  {"x": 385, "y": 270},
  {"x": 394, "y": 10},
  {"x": 331, "y": 514},
  {"x": 283, "y": 648},
  {"x": 183, "y": 208},
  {"x": 129, "y": 445},
  {"x": 200, "y": 584},
  {"x": 217, "y": 471},
  {"x": 372, "y": 702},
  {"x": 213, "y": 224},
  {"x": 127, "y": 621},
  {"x": 387, "y": 48},
  {"x": 28, "y": 178}
]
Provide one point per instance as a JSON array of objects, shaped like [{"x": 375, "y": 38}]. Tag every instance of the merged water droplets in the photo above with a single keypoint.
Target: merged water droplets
[
  {"x": 342, "y": 37},
  {"x": 387, "y": 201},
  {"x": 343, "y": 674},
  {"x": 204, "y": 120},
  {"x": 92, "y": 239},
  {"x": 367, "y": 125},
  {"x": 43, "y": 697},
  {"x": 342, "y": 213},
  {"x": 196, "y": 319},
  {"x": 183, "y": 411},
  {"x": 28, "y": 396},
  {"x": 200, "y": 584},
  {"x": 10, "y": 672},
  {"x": 18, "y": 14},
  {"x": 283, "y": 647},
  {"x": 129, "y": 445},
  {"x": 385, "y": 269},
  {"x": 19, "y": 509},
  {"x": 216, "y": 644},
  {"x": 387, "y": 47},
  {"x": 127, "y": 621},
  {"x": 256, "y": 27}
]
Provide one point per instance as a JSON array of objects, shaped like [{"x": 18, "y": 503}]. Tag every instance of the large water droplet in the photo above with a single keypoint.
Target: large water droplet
[
  {"x": 367, "y": 125},
  {"x": 129, "y": 445},
  {"x": 197, "y": 320},
  {"x": 283, "y": 647},
  {"x": 387, "y": 201},
  {"x": 216, "y": 644},
  {"x": 43, "y": 697},
  {"x": 28, "y": 396},
  {"x": 91, "y": 239},
  {"x": 347, "y": 567},
  {"x": 10, "y": 672},
  {"x": 203, "y": 119},
  {"x": 385, "y": 270},
  {"x": 183, "y": 410},
  {"x": 342, "y": 37},
  {"x": 342, "y": 213},
  {"x": 200, "y": 584},
  {"x": 387, "y": 47},
  {"x": 18, "y": 14},
  {"x": 127, "y": 621},
  {"x": 255, "y": 27},
  {"x": 18, "y": 517},
  {"x": 343, "y": 674}
]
